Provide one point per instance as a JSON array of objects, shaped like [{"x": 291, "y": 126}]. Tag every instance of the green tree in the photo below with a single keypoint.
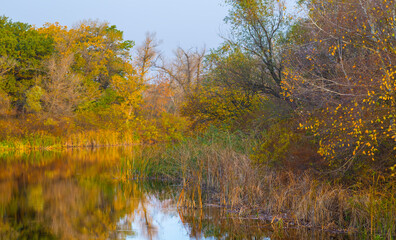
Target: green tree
[
  {"x": 257, "y": 28},
  {"x": 89, "y": 59},
  {"x": 26, "y": 48},
  {"x": 33, "y": 98}
]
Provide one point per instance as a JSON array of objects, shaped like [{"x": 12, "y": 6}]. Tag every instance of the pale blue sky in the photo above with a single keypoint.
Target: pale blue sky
[{"x": 185, "y": 23}]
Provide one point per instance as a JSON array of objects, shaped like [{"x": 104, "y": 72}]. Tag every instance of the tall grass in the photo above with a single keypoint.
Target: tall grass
[
  {"x": 32, "y": 132},
  {"x": 38, "y": 140},
  {"x": 146, "y": 163},
  {"x": 43, "y": 140},
  {"x": 100, "y": 138},
  {"x": 216, "y": 168}
]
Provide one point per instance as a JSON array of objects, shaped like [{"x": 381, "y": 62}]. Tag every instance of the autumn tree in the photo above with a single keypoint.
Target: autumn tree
[
  {"x": 341, "y": 66},
  {"x": 257, "y": 28},
  {"x": 64, "y": 90},
  {"x": 146, "y": 56},
  {"x": 186, "y": 70},
  {"x": 247, "y": 69},
  {"x": 184, "y": 75},
  {"x": 92, "y": 66},
  {"x": 102, "y": 51},
  {"x": 131, "y": 86},
  {"x": 220, "y": 97}
]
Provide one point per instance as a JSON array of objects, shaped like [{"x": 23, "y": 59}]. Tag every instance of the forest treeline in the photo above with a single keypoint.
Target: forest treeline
[
  {"x": 320, "y": 86},
  {"x": 79, "y": 86},
  {"x": 313, "y": 93}
]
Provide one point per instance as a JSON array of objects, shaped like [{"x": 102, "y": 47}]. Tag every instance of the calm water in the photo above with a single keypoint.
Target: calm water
[{"x": 77, "y": 194}]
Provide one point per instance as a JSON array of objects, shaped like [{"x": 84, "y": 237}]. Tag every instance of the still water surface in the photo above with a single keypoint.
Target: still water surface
[{"x": 77, "y": 194}]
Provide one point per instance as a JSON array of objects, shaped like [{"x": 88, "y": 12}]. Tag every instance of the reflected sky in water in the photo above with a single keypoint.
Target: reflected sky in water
[{"x": 166, "y": 223}]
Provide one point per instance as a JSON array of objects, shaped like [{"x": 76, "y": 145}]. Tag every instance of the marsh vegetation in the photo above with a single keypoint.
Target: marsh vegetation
[{"x": 291, "y": 120}]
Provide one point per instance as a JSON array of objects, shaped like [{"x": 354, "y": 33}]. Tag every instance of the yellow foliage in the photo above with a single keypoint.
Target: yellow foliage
[
  {"x": 350, "y": 75},
  {"x": 219, "y": 106}
]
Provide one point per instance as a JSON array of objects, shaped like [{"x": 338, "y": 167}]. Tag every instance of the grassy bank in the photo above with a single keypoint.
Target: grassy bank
[
  {"x": 36, "y": 133},
  {"x": 216, "y": 168},
  {"x": 224, "y": 168},
  {"x": 46, "y": 141}
]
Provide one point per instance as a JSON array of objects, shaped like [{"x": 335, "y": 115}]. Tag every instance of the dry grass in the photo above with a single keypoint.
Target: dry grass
[
  {"x": 213, "y": 171},
  {"x": 100, "y": 138},
  {"x": 16, "y": 137}
]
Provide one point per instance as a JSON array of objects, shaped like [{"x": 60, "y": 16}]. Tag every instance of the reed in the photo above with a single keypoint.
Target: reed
[
  {"x": 41, "y": 140},
  {"x": 146, "y": 163},
  {"x": 100, "y": 138},
  {"x": 216, "y": 168}
]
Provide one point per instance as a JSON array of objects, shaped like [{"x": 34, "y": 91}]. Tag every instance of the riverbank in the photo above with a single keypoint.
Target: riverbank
[
  {"x": 47, "y": 141},
  {"x": 38, "y": 186},
  {"x": 217, "y": 168},
  {"x": 38, "y": 133}
]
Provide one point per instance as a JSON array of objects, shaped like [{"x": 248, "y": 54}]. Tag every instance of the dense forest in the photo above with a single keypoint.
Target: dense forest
[{"x": 291, "y": 114}]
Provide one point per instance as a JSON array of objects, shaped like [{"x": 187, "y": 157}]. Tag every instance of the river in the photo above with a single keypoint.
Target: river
[{"x": 78, "y": 194}]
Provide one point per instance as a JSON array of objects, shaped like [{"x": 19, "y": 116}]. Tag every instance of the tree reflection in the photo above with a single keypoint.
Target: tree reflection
[
  {"x": 78, "y": 195},
  {"x": 74, "y": 195}
]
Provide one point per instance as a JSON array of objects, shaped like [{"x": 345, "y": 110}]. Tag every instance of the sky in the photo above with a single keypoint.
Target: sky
[{"x": 177, "y": 23}]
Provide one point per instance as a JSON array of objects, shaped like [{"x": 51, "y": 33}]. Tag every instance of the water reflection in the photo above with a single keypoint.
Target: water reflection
[{"x": 77, "y": 194}]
